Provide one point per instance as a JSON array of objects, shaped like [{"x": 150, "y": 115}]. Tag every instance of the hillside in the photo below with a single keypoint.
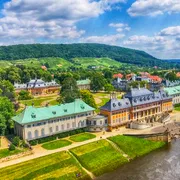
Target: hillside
[
  {"x": 70, "y": 51},
  {"x": 59, "y": 63}
]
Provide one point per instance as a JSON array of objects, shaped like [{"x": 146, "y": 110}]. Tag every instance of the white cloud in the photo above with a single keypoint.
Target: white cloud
[
  {"x": 171, "y": 31},
  {"x": 106, "y": 39},
  {"x": 120, "y": 27},
  {"x": 165, "y": 44},
  {"x": 154, "y": 7},
  {"x": 52, "y": 19}
]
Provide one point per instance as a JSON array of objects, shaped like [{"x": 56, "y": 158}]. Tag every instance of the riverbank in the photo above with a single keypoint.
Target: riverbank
[{"x": 84, "y": 162}]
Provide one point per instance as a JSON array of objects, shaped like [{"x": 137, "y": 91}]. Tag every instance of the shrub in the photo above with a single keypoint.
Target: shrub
[
  {"x": 16, "y": 141},
  {"x": 33, "y": 142},
  {"x": 12, "y": 147}
]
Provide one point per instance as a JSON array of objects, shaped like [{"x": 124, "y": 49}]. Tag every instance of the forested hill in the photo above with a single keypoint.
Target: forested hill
[{"x": 69, "y": 51}]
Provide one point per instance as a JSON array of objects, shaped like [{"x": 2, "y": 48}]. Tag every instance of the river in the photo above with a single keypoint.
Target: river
[{"x": 162, "y": 164}]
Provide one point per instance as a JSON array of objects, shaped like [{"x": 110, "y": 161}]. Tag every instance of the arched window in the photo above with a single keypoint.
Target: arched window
[
  {"x": 29, "y": 135},
  {"x": 42, "y": 132},
  {"x": 57, "y": 128},
  {"x": 36, "y": 133}
]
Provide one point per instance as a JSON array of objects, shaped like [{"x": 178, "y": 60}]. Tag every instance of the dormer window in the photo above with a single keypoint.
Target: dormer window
[
  {"x": 65, "y": 110},
  {"x": 54, "y": 112},
  {"x": 114, "y": 105},
  {"x": 82, "y": 106},
  {"x": 33, "y": 115},
  {"x": 119, "y": 104}
]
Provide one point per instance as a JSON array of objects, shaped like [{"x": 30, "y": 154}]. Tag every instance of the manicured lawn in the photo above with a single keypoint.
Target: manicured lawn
[
  {"x": 135, "y": 147},
  {"x": 82, "y": 137},
  {"x": 99, "y": 157},
  {"x": 55, "y": 166},
  {"x": 6, "y": 152},
  {"x": 56, "y": 144}
]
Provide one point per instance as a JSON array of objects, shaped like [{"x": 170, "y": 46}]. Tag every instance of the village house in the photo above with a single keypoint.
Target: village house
[
  {"x": 84, "y": 84},
  {"x": 38, "y": 87},
  {"x": 139, "y": 105}
]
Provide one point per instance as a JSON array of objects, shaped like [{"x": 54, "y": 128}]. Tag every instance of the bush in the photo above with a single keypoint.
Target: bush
[
  {"x": 59, "y": 136},
  {"x": 16, "y": 141},
  {"x": 12, "y": 147}
]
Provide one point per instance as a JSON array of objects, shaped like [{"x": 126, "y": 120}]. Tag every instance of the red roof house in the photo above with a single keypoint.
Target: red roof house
[
  {"x": 118, "y": 76},
  {"x": 155, "y": 79}
]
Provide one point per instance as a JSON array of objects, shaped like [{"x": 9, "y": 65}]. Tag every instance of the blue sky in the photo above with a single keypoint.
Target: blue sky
[{"x": 149, "y": 25}]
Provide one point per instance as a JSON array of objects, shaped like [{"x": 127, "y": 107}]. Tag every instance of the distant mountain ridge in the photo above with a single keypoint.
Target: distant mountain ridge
[{"x": 70, "y": 51}]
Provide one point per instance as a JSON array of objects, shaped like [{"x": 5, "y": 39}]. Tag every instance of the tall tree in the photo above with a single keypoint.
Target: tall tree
[
  {"x": 7, "y": 89},
  {"x": 97, "y": 82},
  {"x": 7, "y": 111},
  {"x": 88, "y": 98},
  {"x": 69, "y": 90}
]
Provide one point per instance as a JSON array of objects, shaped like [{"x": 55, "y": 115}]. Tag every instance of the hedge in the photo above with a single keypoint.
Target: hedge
[{"x": 55, "y": 136}]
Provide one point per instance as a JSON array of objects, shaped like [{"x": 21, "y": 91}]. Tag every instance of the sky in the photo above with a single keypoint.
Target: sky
[{"x": 149, "y": 25}]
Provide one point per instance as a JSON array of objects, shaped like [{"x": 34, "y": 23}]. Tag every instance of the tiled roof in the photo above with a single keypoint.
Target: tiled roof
[
  {"x": 83, "y": 82},
  {"x": 134, "y": 98},
  {"x": 33, "y": 114},
  {"x": 172, "y": 90},
  {"x": 116, "y": 104},
  {"x": 118, "y": 75}
]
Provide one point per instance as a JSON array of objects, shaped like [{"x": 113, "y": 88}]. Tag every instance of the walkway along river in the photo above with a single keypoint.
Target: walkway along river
[{"x": 162, "y": 164}]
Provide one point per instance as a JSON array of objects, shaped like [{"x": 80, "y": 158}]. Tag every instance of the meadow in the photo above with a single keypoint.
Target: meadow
[
  {"x": 135, "y": 147},
  {"x": 99, "y": 157},
  {"x": 55, "y": 166}
]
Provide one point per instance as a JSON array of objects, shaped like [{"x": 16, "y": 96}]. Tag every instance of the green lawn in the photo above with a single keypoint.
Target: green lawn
[
  {"x": 82, "y": 137},
  {"x": 99, "y": 157},
  {"x": 39, "y": 100},
  {"x": 56, "y": 144},
  {"x": 135, "y": 147},
  {"x": 55, "y": 166},
  {"x": 6, "y": 152}
]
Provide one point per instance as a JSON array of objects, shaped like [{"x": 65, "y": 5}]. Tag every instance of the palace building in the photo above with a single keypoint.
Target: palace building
[
  {"x": 34, "y": 123},
  {"x": 140, "y": 105},
  {"x": 38, "y": 87}
]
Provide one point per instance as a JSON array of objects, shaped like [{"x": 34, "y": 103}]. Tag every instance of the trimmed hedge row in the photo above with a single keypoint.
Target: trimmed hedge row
[{"x": 55, "y": 136}]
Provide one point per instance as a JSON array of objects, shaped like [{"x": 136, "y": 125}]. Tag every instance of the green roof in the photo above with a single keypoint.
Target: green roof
[
  {"x": 33, "y": 114},
  {"x": 172, "y": 90},
  {"x": 83, "y": 82}
]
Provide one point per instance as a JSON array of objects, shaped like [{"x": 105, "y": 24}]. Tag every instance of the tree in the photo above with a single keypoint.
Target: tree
[
  {"x": 7, "y": 111},
  {"x": 7, "y": 89},
  {"x": 108, "y": 87},
  {"x": 97, "y": 82},
  {"x": 16, "y": 141},
  {"x": 24, "y": 95},
  {"x": 88, "y": 98},
  {"x": 2, "y": 125},
  {"x": 69, "y": 90}
]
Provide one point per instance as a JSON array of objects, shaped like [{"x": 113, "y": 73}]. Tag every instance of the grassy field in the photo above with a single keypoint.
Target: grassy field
[
  {"x": 38, "y": 101},
  {"x": 56, "y": 144},
  {"x": 82, "y": 137},
  {"x": 6, "y": 152},
  {"x": 135, "y": 147},
  {"x": 99, "y": 157},
  {"x": 98, "y": 62},
  {"x": 60, "y": 63},
  {"x": 55, "y": 166}
]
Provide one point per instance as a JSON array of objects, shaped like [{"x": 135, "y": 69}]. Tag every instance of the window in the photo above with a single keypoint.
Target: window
[
  {"x": 42, "y": 132},
  {"x": 62, "y": 126},
  {"x": 50, "y": 130},
  {"x": 100, "y": 122},
  {"x": 57, "y": 128},
  {"x": 94, "y": 122},
  {"x": 73, "y": 124},
  {"x": 36, "y": 133},
  {"x": 29, "y": 135},
  {"x": 28, "y": 126},
  {"x": 68, "y": 126}
]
